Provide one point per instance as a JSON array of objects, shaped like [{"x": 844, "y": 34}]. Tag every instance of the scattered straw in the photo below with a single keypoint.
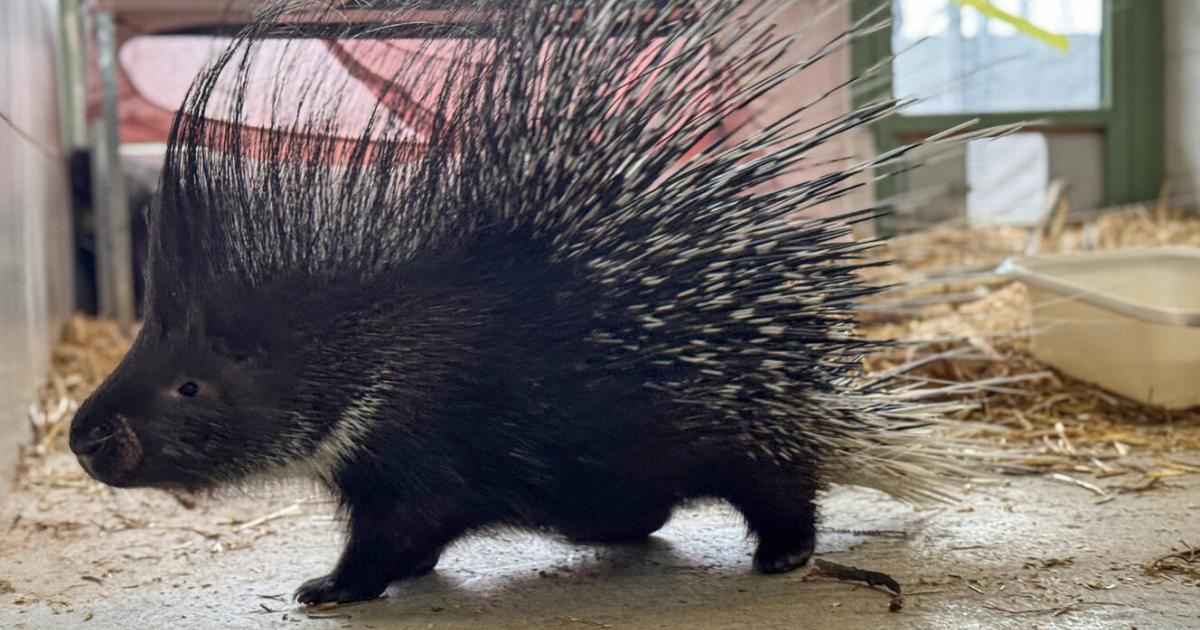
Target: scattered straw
[
  {"x": 1185, "y": 564},
  {"x": 291, "y": 510},
  {"x": 88, "y": 351},
  {"x": 968, "y": 331}
]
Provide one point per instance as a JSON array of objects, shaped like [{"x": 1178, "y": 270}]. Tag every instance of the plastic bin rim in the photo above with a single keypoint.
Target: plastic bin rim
[{"x": 1022, "y": 268}]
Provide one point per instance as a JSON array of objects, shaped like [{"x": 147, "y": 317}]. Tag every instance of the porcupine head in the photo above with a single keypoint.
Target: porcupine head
[{"x": 507, "y": 248}]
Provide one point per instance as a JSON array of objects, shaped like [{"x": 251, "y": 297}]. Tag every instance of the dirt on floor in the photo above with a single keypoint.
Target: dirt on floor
[{"x": 1032, "y": 552}]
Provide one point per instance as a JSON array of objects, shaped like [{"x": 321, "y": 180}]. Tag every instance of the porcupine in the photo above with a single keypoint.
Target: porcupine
[{"x": 562, "y": 309}]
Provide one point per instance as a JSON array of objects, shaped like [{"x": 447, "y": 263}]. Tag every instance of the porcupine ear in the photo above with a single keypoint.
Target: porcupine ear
[{"x": 243, "y": 326}]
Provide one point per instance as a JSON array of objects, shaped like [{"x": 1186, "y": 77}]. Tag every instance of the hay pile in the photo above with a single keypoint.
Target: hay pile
[
  {"x": 86, "y": 354},
  {"x": 961, "y": 324}
]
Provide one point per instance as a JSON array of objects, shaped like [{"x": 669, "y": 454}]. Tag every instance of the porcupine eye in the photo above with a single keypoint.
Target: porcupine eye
[{"x": 189, "y": 389}]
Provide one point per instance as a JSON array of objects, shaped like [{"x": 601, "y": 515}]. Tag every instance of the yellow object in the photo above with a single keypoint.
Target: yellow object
[
  {"x": 1160, "y": 473},
  {"x": 1061, "y": 42}
]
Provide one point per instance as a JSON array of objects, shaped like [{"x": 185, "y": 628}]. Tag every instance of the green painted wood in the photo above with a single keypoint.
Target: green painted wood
[{"x": 1134, "y": 156}]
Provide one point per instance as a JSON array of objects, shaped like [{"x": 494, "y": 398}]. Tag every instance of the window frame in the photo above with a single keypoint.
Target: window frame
[{"x": 1130, "y": 116}]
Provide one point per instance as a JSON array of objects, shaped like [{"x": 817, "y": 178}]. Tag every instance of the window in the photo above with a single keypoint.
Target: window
[
  {"x": 958, "y": 59},
  {"x": 1096, "y": 95}
]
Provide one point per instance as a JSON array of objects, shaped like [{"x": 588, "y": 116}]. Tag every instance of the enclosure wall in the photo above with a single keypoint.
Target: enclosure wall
[{"x": 35, "y": 228}]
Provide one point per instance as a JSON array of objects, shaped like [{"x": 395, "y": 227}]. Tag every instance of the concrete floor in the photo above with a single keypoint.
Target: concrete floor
[{"x": 1033, "y": 554}]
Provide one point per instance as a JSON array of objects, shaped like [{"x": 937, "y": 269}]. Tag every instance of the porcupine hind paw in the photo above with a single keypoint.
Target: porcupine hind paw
[
  {"x": 782, "y": 555},
  {"x": 781, "y": 512}
]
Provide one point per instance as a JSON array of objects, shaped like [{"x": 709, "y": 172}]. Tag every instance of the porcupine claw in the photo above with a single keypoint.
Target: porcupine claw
[
  {"x": 327, "y": 590},
  {"x": 780, "y": 557}
]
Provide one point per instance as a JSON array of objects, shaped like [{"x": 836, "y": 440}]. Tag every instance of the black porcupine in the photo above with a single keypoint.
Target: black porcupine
[{"x": 561, "y": 308}]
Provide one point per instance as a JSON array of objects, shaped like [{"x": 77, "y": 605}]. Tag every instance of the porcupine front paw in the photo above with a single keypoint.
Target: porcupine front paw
[
  {"x": 328, "y": 589},
  {"x": 339, "y": 588},
  {"x": 783, "y": 555}
]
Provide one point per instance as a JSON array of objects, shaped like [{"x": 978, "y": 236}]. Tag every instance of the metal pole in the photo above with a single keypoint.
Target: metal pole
[
  {"x": 114, "y": 248},
  {"x": 73, "y": 71}
]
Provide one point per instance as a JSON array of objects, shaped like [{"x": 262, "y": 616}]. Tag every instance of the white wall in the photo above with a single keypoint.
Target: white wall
[
  {"x": 35, "y": 234},
  {"x": 1182, "y": 40}
]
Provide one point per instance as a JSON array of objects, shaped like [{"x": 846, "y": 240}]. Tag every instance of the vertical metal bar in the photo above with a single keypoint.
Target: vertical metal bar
[
  {"x": 865, "y": 53},
  {"x": 72, "y": 75},
  {"x": 114, "y": 249}
]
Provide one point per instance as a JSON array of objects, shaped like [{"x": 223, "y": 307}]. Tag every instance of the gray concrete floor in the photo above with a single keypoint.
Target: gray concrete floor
[{"x": 1034, "y": 553}]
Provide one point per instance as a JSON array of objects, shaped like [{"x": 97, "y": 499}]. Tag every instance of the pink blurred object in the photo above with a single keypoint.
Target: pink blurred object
[{"x": 155, "y": 72}]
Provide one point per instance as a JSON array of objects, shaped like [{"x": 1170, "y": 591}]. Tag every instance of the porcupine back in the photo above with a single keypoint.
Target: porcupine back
[{"x": 593, "y": 136}]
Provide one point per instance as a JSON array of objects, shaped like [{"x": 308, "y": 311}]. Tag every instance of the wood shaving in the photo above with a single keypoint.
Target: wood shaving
[{"x": 975, "y": 344}]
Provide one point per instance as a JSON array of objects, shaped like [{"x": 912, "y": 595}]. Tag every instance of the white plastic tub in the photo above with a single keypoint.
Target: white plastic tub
[{"x": 1126, "y": 320}]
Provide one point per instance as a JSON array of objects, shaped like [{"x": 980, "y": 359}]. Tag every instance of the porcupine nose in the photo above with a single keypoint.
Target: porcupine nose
[
  {"x": 103, "y": 449},
  {"x": 90, "y": 438}
]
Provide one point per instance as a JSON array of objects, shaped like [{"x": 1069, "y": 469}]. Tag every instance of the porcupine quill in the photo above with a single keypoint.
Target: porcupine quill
[{"x": 532, "y": 277}]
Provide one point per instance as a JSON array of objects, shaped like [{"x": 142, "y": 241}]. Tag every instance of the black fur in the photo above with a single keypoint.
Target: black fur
[{"x": 547, "y": 316}]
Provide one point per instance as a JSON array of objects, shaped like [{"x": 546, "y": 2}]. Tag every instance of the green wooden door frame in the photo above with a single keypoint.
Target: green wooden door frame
[{"x": 1130, "y": 116}]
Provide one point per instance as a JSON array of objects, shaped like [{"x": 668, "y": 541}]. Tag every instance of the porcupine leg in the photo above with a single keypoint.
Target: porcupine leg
[
  {"x": 783, "y": 515},
  {"x": 383, "y": 546},
  {"x": 619, "y": 504}
]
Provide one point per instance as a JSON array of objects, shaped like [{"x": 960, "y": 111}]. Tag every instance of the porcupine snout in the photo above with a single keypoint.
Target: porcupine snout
[{"x": 105, "y": 444}]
